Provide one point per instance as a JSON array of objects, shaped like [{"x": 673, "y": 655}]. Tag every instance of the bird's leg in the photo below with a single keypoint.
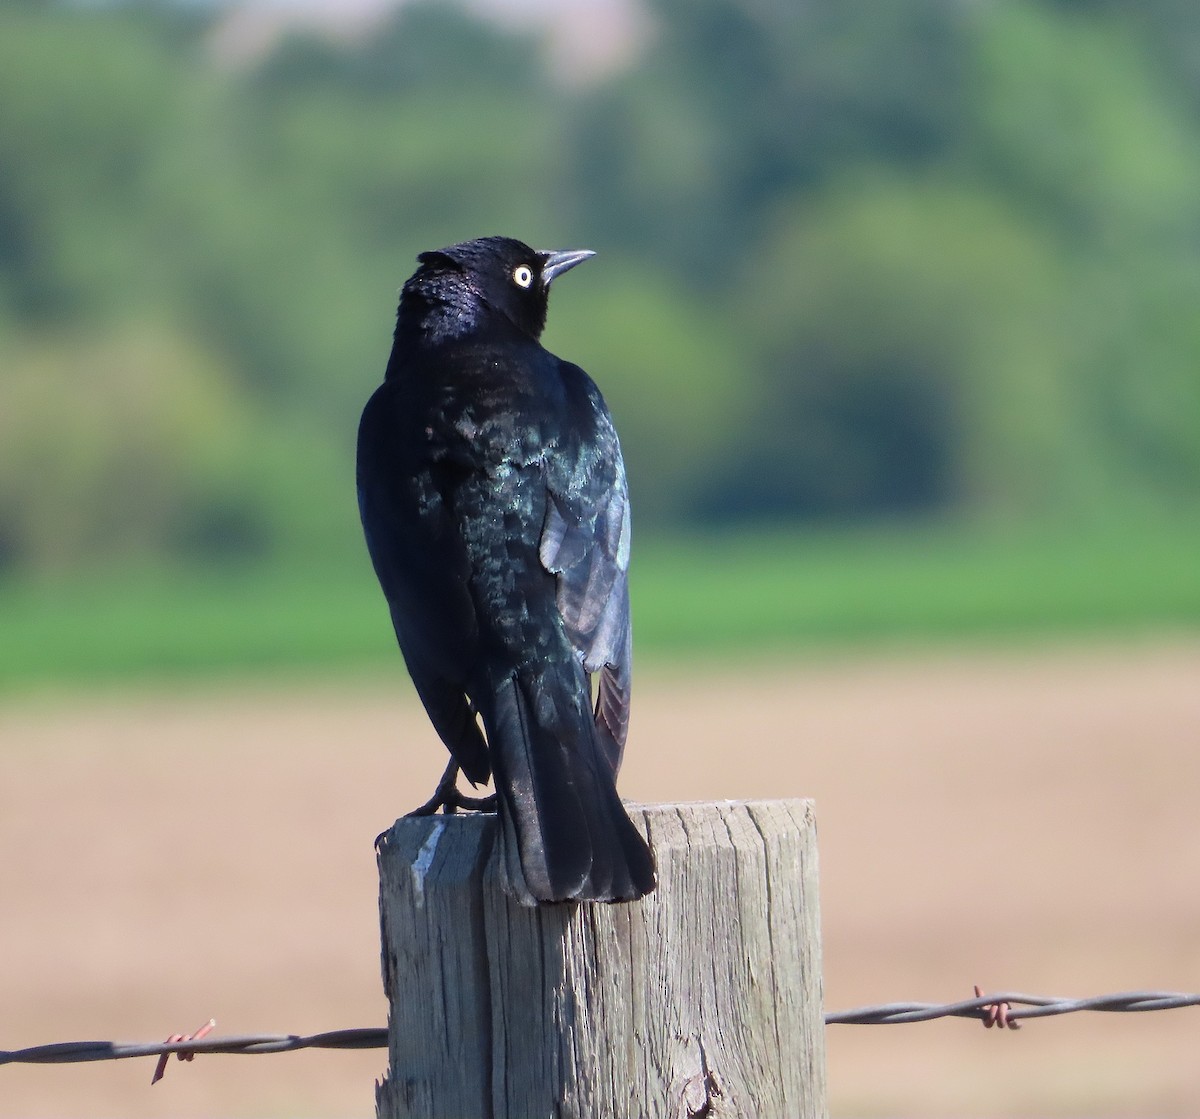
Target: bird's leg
[
  {"x": 447, "y": 797},
  {"x": 443, "y": 795}
]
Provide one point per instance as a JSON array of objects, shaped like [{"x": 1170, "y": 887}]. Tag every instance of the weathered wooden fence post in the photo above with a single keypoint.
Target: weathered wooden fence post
[{"x": 703, "y": 999}]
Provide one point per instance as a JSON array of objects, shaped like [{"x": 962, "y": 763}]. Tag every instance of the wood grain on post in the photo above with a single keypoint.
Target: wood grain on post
[{"x": 703, "y": 999}]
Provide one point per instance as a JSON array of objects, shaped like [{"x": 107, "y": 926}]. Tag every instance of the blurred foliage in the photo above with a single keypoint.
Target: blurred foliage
[{"x": 936, "y": 259}]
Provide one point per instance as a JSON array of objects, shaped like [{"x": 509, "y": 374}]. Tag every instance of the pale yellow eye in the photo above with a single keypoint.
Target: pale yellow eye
[{"x": 523, "y": 275}]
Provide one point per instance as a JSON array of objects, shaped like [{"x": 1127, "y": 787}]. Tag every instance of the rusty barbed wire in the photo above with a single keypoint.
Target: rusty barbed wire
[
  {"x": 1003, "y": 1009},
  {"x": 1008, "y": 1007},
  {"x": 77, "y": 1052}
]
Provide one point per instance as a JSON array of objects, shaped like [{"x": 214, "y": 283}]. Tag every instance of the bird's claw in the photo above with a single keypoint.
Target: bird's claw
[
  {"x": 475, "y": 804},
  {"x": 452, "y": 802}
]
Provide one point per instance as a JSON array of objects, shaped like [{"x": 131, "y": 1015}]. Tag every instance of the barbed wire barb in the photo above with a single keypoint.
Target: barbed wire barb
[{"x": 183, "y": 1054}]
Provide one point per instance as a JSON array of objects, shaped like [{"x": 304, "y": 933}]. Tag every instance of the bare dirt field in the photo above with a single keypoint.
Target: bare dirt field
[{"x": 1023, "y": 820}]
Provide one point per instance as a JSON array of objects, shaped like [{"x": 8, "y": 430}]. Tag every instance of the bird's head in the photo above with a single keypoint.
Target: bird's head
[{"x": 499, "y": 273}]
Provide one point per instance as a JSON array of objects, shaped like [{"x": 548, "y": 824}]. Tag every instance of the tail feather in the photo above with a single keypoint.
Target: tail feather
[{"x": 565, "y": 834}]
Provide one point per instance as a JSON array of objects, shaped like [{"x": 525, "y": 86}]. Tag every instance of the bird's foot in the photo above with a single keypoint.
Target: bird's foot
[{"x": 447, "y": 797}]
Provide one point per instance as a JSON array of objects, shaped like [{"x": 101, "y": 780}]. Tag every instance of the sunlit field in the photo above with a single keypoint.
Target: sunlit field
[{"x": 1019, "y": 819}]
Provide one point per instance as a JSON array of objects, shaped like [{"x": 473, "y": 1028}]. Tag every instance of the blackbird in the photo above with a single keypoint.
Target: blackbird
[{"x": 496, "y": 511}]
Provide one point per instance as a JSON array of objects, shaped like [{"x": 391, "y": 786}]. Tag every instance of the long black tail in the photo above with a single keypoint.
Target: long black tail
[{"x": 564, "y": 831}]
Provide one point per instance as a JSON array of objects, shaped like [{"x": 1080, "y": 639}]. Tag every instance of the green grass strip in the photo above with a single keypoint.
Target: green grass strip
[{"x": 703, "y": 596}]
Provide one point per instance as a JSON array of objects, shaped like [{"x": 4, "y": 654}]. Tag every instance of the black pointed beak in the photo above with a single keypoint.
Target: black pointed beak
[{"x": 556, "y": 263}]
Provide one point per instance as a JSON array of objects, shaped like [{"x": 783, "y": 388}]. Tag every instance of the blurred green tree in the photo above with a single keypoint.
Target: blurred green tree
[
  {"x": 857, "y": 261},
  {"x": 739, "y": 105}
]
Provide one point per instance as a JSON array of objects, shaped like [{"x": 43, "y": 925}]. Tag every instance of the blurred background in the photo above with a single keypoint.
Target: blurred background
[{"x": 896, "y": 310}]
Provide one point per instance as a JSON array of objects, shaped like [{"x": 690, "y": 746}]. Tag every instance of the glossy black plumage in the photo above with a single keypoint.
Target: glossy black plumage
[{"x": 495, "y": 507}]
